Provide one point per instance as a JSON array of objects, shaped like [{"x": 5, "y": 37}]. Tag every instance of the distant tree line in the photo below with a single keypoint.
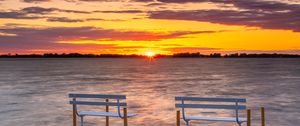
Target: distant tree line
[
  {"x": 263, "y": 55},
  {"x": 196, "y": 55},
  {"x": 176, "y": 55},
  {"x": 66, "y": 55},
  {"x": 235, "y": 55}
]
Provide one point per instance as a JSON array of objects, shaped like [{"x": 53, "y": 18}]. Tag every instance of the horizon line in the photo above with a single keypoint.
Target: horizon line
[{"x": 175, "y": 55}]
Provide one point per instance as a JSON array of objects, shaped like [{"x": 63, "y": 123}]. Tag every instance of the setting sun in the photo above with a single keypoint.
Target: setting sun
[{"x": 150, "y": 54}]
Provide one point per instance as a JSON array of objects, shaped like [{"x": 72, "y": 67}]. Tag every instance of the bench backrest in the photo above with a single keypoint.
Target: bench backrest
[
  {"x": 234, "y": 106},
  {"x": 218, "y": 103},
  {"x": 74, "y": 100}
]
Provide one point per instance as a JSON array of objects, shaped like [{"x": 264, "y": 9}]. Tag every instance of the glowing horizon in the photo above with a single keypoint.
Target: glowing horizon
[{"x": 142, "y": 26}]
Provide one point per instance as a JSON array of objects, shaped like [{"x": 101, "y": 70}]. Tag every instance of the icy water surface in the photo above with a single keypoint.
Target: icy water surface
[{"x": 33, "y": 92}]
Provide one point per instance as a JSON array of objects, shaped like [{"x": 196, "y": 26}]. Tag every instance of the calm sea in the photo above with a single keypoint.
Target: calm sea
[{"x": 34, "y": 92}]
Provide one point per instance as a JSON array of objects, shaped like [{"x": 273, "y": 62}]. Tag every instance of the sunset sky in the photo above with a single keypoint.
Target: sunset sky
[{"x": 142, "y": 26}]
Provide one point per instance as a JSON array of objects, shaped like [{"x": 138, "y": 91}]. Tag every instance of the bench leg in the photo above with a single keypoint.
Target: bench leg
[
  {"x": 187, "y": 123},
  {"x": 248, "y": 117},
  {"x": 74, "y": 116},
  {"x": 240, "y": 124},
  {"x": 178, "y": 118},
  {"x": 107, "y": 117},
  {"x": 262, "y": 109},
  {"x": 125, "y": 117},
  {"x": 81, "y": 118}
]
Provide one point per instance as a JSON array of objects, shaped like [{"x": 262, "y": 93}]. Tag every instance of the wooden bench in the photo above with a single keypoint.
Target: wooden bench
[
  {"x": 93, "y": 100},
  {"x": 210, "y": 103}
]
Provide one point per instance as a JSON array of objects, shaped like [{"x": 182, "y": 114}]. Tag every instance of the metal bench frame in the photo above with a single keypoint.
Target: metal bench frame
[
  {"x": 235, "y": 107},
  {"x": 107, "y": 103}
]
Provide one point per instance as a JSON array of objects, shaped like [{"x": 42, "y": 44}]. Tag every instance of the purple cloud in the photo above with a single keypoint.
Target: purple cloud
[
  {"x": 276, "y": 20},
  {"x": 41, "y": 13},
  {"x": 258, "y": 13},
  {"x": 34, "y": 38},
  {"x": 63, "y": 19},
  {"x": 35, "y": 12},
  {"x": 35, "y": 1},
  {"x": 264, "y": 14}
]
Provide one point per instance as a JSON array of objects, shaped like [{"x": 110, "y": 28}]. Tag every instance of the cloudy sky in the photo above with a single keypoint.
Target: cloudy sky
[{"x": 140, "y": 26}]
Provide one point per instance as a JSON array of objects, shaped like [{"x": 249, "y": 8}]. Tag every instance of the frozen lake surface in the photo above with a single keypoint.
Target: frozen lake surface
[{"x": 34, "y": 92}]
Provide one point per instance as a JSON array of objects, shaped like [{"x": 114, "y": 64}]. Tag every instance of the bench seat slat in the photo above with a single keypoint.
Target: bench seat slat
[
  {"x": 210, "y": 99},
  {"x": 110, "y": 114},
  {"x": 97, "y": 96},
  {"x": 211, "y": 106},
  {"x": 98, "y": 103},
  {"x": 225, "y": 119}
]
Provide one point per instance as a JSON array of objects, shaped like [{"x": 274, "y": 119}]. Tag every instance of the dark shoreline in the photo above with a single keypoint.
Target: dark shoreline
[{"x": 177, "y": 55}]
